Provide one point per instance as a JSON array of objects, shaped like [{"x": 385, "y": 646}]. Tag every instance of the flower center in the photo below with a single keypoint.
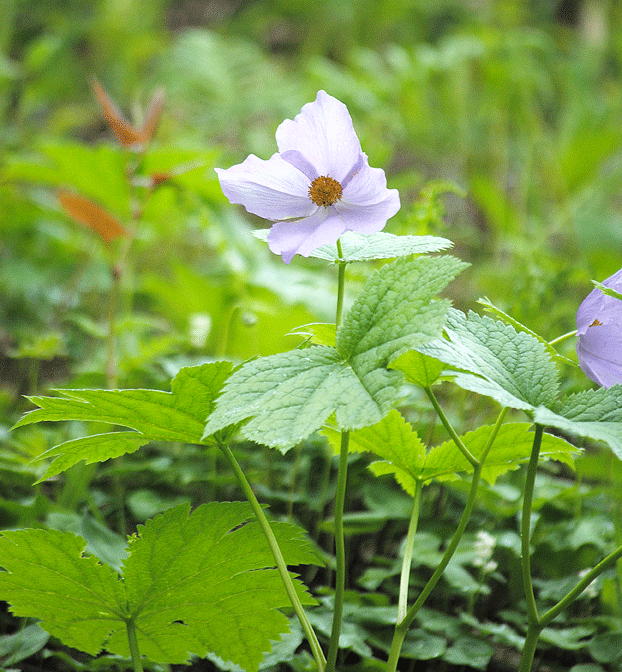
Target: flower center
[{"x": 325, "y": 191}]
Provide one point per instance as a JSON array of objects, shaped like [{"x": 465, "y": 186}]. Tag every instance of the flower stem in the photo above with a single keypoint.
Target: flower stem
[
  {"x": 404, "y": 624},
  {"x": 532, "y": 468},
  {"x": 133, "y": 642},
  {"x": 563, "y": 337},
  {"x": 341, "y": 282},
  {"x": 529, "y": 647},
  {"x": 402, "y": 604},
  {"x": 340, "y": 553},
  {"x": 278, "y": 556},
  {"x": 535, "y": 623}
]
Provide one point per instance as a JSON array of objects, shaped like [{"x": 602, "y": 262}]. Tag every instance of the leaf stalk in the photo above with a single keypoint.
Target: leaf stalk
[
  {"x": 316, "y": 649},
  {"x": 340, "y": 553}
]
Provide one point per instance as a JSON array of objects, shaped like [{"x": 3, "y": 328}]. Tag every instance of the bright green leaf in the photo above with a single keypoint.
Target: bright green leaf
[
  {"x": 77, "y": 598},
  {"x": 193, "y": 582},
  {"x": 320, "y": 333},
  {"x": 381, "y": 245},
  {"x": 95, "y": 448},
  {"x": 394, "y": 440},
  {"x": 514, "y": 368},
  {"x": 418, "y": 368},
  {"x": 155, "y": 415},
  {"x": 290, "y": 395},
  {"x": 508, "y": 319}
]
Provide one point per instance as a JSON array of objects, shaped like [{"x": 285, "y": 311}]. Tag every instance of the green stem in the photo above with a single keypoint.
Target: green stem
[
  {"x": 402, "y": 625},
  {"x": 133, "y": 642},
  {"x": 340, "y": 553},
  {"x": 340, "y": 284},
  {"x": 604, "y": 564},
  {"x": 278, "y": 556},
  {"x": 563, "y": 337},
  {"x": 402, "y": 604},
  {"x": 529, "y": 647},
  {"x": 532, "y": 468},
  {"x": 111, "y": 336},
  {"x": 452, "y": 432}
]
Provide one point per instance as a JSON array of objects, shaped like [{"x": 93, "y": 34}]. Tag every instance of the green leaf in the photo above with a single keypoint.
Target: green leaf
[
  {"x": 47, "y": 577},
  {"x": 320, "y": 333},
  {"x": 469, "y": 651},
  {"x": 155, "y": 415},
  {"x": 95, "y": 448},
  {"x": 290, "y": 395},
  {"x": 418, "y": 368},
  {"x": 382, "y": 245},
  {"x": 193, "y": 583},
  {"x": 23, "y": 644},
  {"x": 595, "y": 414},
  {"x": 405, "y": 456},
  {"x": 514, "y": 368},
  {"x": 508, "y": 319}
]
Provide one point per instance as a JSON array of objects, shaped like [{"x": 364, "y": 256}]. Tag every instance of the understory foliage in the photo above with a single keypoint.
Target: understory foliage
[{"x": 431, "y": 481}]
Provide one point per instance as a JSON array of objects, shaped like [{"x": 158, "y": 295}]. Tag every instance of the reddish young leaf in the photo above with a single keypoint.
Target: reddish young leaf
[
  {"x": 152, "y": 116},
  {"x": 128, "y": 135},
  {"x": 92, "y": 215}
]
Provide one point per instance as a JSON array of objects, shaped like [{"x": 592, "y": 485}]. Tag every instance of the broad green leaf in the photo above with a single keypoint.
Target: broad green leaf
[
  {"x": 595, "y": 414},
  {"x": 396, "y": 311},
  {"x": 155, "y": 415},
  {"x": 511, "y": 448},
  {"x": 514, "y": 368},
  {"x": 418, "y": 368},
  {"x": 382, "y": 245},
  {"x": 193, "y": 583},
  {"x": 77, "y": 598},
  {"x": 404, "y": 455},
  {"x": 290, "y": 395},
  {"x": 508, "y": 319}
]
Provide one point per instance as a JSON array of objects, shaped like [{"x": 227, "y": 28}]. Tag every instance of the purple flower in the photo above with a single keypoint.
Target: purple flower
[
  {"x": 599, "y": 332},
  {"x": 317, "y": 186}
]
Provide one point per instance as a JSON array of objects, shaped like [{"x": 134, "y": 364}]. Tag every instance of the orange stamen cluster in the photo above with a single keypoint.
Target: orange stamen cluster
[{"x": 325, "y": 191}]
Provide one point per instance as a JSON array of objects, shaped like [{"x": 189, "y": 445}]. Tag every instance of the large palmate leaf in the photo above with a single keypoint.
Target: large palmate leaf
[
  {"x": 193, "y": 583},
  {"x": 178, "y": 415},
  {"x": 290, "y": 395},
  {"x": 516, "y": 369},
  {"x": 512, "y": 367},
  {"x": 405, "y": 456},
  {"x": 381, "y": 245}
]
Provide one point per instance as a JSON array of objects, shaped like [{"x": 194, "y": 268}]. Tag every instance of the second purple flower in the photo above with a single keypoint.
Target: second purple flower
[
  {"x": 318, "y": 186},
  {"x": 599, "y": 334}
]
